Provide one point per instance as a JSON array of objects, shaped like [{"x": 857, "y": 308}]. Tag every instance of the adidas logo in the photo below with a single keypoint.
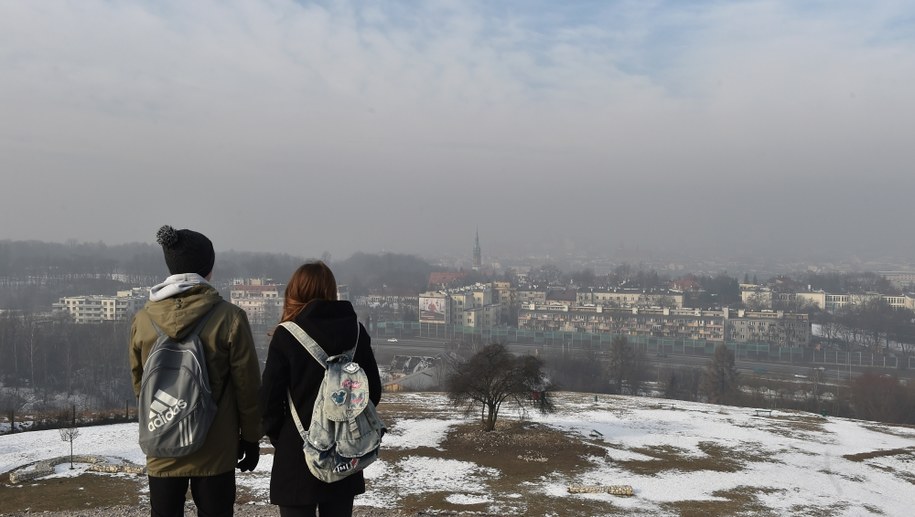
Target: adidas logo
[{"x": 163, "y": 409}]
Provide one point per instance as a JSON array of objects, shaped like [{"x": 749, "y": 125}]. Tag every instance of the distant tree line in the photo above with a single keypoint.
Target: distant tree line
[
  {"x": 875, "y": 325},
  {"x": 625, "y": 370},
  {"x": 34, "y": 274},
  {"x": 47, "y": 358}
]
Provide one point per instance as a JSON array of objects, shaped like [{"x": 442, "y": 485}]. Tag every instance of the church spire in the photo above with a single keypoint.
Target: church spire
[{"x": 477, "y": 254}]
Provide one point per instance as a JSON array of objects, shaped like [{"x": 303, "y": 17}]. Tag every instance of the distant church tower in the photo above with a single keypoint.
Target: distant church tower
[{"x": 477, "y": 254}]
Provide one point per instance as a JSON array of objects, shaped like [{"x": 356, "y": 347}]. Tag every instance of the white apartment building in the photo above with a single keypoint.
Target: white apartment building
[
  {"x": 630, "y": 298},
  {"x": 529, "y": 296},
  {"x": 259, "y": 298},
  {"x": 718, "y": 325},
  {"x": 757, "y": 297},
  {"x": 470, "y": 306},
  {"x": 900, "y": 279},
  {"x": 775, "y": 327},
  {"x": 99, "y": 308}
]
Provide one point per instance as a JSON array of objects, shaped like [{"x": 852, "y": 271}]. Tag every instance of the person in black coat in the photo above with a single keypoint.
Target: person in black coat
[{"x": 311, "y": 302}]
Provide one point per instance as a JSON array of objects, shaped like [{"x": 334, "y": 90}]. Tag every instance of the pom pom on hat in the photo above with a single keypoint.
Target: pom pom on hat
[
  {"x": 167, "y": 236},
  {"x": 186, "y": 251}
]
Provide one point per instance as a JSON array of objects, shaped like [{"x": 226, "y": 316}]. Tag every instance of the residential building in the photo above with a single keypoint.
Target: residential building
[
  {"x": 99, "y": 308},
  {"x": 900, "y": 279},
  {"x": 261, "y": 299},
  {"x": 630, "y": 298},
  {"x": 445, "y": 279},
  {"x": 775, "y": 327},
  {"x": 470, "y": 306},
  {"x": 529, "y": 296},
  {"x": 757, "y": 298},
  {"x": 683, "y": 323}
]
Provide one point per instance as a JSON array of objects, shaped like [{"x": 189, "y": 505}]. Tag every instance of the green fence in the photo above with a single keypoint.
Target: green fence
[{"x": 586, "y": 340}]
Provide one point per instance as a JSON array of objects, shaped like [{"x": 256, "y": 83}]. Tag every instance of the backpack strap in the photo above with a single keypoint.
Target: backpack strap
[
  {"x": 318, "y": 354},
  {"x": 295, "y": 415},
  {"x": 198, "y": 328},
  {"x": 306, "y": 341},
  {"x": 313, "y": 347}
]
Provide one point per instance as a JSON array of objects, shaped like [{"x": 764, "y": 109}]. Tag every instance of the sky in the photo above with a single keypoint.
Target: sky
[
  {"x": 793, "y": 462},
  {"x": 719, "y": 127}
]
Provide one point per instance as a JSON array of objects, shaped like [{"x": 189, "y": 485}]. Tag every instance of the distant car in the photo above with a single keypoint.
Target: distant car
[{"x": 392, "y": 340}]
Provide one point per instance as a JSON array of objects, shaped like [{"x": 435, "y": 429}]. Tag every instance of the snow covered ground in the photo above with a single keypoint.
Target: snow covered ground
[{"x": 789, "y": 460}]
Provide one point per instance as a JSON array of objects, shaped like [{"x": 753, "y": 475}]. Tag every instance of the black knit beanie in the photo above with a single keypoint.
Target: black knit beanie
[{"x": 186, "y": 251}]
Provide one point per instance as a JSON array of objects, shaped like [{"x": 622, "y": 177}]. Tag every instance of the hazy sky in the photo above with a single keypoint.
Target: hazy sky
[{"x": 307, "y": 127}]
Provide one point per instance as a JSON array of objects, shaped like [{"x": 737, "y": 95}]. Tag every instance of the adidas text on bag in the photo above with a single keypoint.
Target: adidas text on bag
[
  {"x": 345, "y": 432},
  {"x": 176, "y": 406}
]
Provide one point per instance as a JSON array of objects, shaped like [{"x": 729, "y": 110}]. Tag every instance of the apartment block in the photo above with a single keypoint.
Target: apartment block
[
  {"x": 630, "y": 298},
  {"x": 776, "y": 327},
  {"x": 99, "y": 308},
  {"x": 261, "y": 299},
  {"x": 685, "y": 323},
  {"x": 470, "y": 306},
  {"x": 758, "y": 297}
]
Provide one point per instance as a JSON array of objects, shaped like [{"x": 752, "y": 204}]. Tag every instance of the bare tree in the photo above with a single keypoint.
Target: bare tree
[
  {"x": 69, "y": 432},
  {"x": 628, "y": 366},
  {"x": 10, "y": 403},
  {"x": 683, "y": 383},
  {"x": 492, "y": 376},
  {"x": 719, "y": 381},
  {"x": 620, "y": 360},
  {"x": 882, "y": 398}
]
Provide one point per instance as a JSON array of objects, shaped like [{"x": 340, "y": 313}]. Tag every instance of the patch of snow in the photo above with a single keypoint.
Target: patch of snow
[
  {"x": 413, "y": 433},
  {"x": 468, "y": 499}
]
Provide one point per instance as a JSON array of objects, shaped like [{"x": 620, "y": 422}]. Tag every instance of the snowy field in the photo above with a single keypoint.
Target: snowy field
[{"x": 788, "y": 460}]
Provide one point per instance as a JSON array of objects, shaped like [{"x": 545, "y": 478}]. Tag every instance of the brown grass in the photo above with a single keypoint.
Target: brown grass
[
  {"x": 793, "y": 425},
  {"x": 716, "y": 459},
  {"x": 524, "y": 453},
  {"x": 518, "y": 449},
  {"x": 736, "y": 502},
  {"x": 861, "y": 456},
  {"x": 56, "y": 494}
]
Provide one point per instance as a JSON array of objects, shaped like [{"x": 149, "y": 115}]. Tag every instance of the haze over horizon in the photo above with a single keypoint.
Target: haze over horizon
[{"x": 730, "y": 128}]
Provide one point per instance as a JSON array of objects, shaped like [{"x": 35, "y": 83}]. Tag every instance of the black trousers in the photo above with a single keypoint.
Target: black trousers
[
  {"x": 343, "y": 508},
  {"x": 213, "y": 495}
]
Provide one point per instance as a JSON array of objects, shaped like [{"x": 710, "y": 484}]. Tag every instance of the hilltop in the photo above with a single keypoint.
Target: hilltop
[{"x": 681, "y": 458}]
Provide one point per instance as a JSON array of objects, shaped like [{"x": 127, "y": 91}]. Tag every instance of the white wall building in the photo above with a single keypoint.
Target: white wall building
[
  {"x": 260, "y": 299},
  {"x": 98, "y": 308},
  {"x": 471, "y": 306}
]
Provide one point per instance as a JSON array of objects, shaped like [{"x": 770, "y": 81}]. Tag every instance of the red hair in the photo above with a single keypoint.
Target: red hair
[{"x": 311, "y": 281}]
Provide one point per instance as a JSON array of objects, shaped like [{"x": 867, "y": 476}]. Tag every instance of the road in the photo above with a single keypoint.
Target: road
[{"x": 433, "y": 346}]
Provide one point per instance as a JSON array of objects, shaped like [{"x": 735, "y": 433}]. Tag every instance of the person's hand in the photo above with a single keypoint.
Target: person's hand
[{"x": 249, "y": 453}]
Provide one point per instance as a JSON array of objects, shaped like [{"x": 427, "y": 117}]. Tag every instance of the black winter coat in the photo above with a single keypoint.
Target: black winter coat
[{"x": 332, "y": 324}]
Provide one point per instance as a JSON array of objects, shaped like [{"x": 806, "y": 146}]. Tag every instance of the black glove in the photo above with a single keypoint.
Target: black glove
[{"x": 249, "y": 453}]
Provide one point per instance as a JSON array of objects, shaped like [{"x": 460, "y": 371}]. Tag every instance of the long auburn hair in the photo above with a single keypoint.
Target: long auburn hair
[{"x": 311, "y": 281}]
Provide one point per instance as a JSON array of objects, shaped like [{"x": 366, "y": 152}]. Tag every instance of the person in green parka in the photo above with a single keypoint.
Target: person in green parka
[{"x": 175, "y": 306}]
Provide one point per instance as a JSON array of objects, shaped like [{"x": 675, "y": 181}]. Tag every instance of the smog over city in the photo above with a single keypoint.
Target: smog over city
[
  {"x": 614, "y": 257},
  {"x": 738, "y": 129}
]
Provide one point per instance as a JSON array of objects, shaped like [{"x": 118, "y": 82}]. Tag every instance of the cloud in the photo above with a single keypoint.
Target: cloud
[{"x": 385, "y": 106}]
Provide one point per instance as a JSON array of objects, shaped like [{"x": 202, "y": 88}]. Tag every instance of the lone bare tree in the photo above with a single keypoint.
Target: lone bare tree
[
  {"x": 494, "y": 375},
  {"x": 719, "y": 381},
  {"x": 627, "y": 366},
  {"x": 69, "y": 432}
]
